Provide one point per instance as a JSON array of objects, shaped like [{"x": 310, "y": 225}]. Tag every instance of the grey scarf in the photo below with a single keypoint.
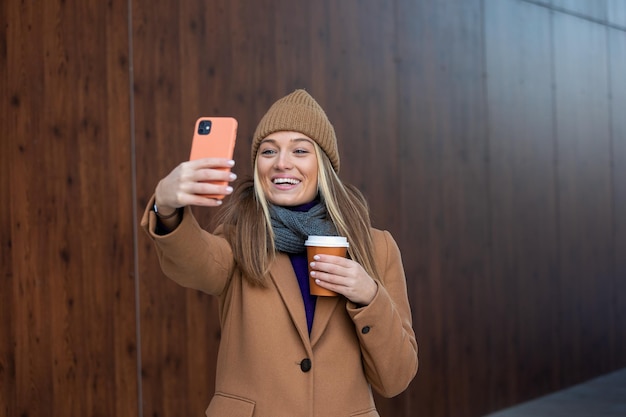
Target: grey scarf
[{"x": 291, "y": 228}]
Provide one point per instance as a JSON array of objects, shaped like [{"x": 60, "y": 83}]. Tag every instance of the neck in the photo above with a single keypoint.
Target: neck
[{"x": 304, "y": 207}]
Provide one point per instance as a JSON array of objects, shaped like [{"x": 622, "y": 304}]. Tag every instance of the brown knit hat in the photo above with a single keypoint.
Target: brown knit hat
[{"x": 298, "y": 112}]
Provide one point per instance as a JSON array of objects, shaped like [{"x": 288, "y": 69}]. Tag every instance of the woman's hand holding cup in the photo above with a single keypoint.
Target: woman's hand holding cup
[{"x": 331, "y": 273}]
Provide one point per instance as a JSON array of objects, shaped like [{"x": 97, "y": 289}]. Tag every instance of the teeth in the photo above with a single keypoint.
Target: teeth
[{"x": 292, "y": 181}]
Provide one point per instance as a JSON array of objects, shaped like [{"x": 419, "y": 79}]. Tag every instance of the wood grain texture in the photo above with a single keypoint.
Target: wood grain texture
[
  {"x": 174, "y": 70},
  {"x": 617, "y": 102},
  {"x": 68, "y": 310},
  {"x": 524, "y": 254},
  {"x": 584, "y": 196},
  {"x": 444, "y": 200}
]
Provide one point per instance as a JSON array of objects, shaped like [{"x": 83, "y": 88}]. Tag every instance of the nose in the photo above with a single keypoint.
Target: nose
[{"x": 283, "y": 162}]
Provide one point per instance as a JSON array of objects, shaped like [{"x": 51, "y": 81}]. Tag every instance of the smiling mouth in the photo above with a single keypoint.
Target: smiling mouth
[{"x": 282, "y": 181}]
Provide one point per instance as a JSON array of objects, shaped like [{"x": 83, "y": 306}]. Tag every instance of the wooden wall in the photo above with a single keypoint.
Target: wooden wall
[
  {"x": 489, "y": 137},
  {"x": 68, "y": 340}
]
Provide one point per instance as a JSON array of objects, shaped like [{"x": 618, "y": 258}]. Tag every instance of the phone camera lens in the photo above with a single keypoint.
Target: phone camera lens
[{"x": 205, "y": 127}]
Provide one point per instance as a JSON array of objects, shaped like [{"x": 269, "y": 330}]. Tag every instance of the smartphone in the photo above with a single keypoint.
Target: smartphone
[{"x": 214, "y": 137}]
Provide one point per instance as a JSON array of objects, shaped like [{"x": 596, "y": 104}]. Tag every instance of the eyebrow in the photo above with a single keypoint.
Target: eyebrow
[{"x": 290, "y": 140}]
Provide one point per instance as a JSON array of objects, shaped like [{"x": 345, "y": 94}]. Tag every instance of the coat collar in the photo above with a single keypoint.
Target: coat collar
[{"x": 284, "y": 278}]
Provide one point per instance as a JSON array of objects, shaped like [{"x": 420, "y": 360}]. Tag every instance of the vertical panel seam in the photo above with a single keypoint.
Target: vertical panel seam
[
  {"x": 612, "y": 181},
  {"x": 487, "y": 133},
  {"x": 133, "y": 164},
  {"x": 555, "y": 180}
]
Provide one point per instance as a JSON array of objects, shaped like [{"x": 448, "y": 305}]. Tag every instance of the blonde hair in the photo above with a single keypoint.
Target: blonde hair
[
  {"x": 246, "y": 222},
  {"x": 349, "y": 211}
]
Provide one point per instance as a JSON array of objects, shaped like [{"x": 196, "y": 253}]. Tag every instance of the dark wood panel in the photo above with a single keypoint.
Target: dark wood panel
[
  {"x": 617, "y": 288},
  {"x": 185, "y": 67},
  {"x": 444, "y": 201},
  {"x": 161, "y": 142},
  {"x": 68, "y": 321},
  {"x": 523, "y": 201},
  {"x": 354, "y": 76},
  {"x": 584, "y": 198}
]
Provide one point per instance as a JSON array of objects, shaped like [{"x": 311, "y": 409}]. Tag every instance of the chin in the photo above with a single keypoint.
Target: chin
[{"x": 288, "y": 201}]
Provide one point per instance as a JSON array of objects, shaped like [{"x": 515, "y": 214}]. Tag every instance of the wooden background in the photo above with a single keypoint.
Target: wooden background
[{"x": 489, "y": 137}]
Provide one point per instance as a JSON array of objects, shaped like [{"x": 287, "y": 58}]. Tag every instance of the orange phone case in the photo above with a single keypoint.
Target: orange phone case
[{"x": 214, "y": 137}]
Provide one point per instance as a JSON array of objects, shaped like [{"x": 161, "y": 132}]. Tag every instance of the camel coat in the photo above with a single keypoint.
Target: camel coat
[{"x": 268, "y": 365}]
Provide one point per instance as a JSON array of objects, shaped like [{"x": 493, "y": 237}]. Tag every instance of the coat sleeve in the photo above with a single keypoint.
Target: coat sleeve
[
  {"x": 190, "y": 255},
  {"x": 384, "y": 327}
]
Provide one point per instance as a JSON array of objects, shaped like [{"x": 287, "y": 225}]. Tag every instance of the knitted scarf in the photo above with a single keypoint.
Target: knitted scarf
[{"x": 292, "y": 227}]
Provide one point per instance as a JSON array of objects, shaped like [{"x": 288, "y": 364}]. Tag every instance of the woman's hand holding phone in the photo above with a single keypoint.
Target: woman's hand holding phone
[
  {"x": 204, "y": 179},
  {"x": 190, "y": 182}
]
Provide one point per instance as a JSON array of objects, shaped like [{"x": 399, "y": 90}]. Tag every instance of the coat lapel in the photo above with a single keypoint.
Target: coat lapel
[
  {"x": 285, "y": 280},
  {"x": 324, "y": 309}
]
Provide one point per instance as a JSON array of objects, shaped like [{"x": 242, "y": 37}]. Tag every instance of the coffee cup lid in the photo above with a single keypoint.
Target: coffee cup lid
[{"x": 329, "y": 241}]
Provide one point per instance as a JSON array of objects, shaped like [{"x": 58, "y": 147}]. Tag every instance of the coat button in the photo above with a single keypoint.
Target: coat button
[
  {"x": 305, "y": 365},
  {"x": 365, "y": 330}
]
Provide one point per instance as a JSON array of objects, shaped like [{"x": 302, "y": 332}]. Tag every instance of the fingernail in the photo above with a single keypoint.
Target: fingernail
[
  {"x": 229, "y": 189},
  {"x": 233, "y": 177},
  {"x": 316, "y": 257},
  {"x": 231, "y": 163}
]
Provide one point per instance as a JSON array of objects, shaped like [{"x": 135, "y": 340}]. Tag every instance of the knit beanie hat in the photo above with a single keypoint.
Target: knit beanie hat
[{"x": 299, "y": 112}]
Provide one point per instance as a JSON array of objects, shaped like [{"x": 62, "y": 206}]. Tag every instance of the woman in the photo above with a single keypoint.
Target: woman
[{"x": 283, "y": 352}]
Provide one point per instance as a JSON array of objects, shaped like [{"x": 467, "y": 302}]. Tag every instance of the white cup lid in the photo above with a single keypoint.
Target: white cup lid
[{"x": 329, "y": 241}]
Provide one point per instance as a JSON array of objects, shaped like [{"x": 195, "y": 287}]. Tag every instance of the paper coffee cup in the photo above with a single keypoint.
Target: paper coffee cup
[{"x": 329, "y": 245}]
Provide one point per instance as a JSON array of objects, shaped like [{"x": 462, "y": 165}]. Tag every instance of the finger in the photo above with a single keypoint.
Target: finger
[
  {"x": 339, "y": 287},
  {"x": 205, "y": 201},
  {"x": 330, "y": 286},
  {"x": 333, "y": 259},
  {"x": 210, "y": 174},
  {"x": 187, "y": 199},
  {"x": 332, "y": 279},
  {"x": 328, "y": 281},
  {"x": 330, "y": 268},
  {"x": 209, "y": 188},
  {"x": 211, "y": 163}
]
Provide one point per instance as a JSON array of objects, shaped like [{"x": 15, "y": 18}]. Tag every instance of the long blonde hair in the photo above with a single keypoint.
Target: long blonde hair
[{"x": 247, "y": 225}]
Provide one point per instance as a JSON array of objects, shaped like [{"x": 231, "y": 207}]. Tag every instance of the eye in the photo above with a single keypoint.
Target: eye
[
  {"x": 301, "y": 151},
  {"x": 267, "y": 151}
]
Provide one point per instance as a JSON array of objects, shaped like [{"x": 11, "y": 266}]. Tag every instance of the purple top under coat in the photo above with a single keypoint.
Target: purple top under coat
[{"x": 301, "y": 268}]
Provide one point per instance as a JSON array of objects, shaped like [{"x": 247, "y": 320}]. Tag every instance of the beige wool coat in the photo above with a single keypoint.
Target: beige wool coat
[{"x": 268, "y": 365}]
